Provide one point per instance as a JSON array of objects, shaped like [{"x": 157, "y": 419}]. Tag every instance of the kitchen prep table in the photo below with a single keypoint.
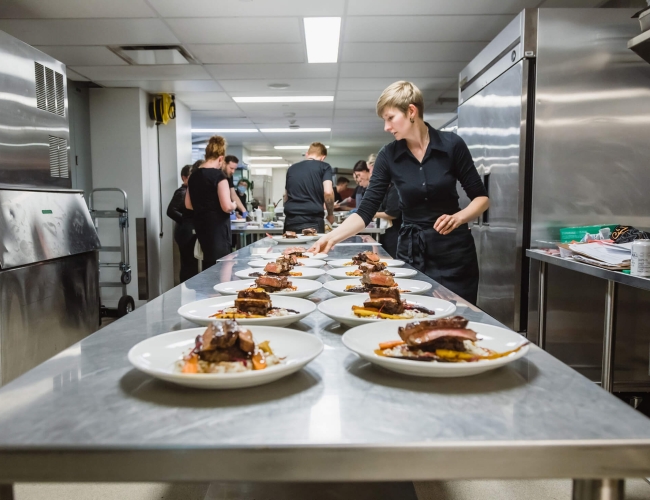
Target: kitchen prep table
[{"x": 87, "y": 415}]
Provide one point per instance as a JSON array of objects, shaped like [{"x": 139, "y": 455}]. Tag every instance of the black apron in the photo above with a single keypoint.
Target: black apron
[
  {"x": 297, "y": 223},
  {"x": 448, "y": 259}
]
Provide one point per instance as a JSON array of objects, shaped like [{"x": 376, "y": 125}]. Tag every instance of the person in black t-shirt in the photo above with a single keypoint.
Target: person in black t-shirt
[
  {"x": 208, "y": 194},
  {"x": 308, "y": 187},
  {"x": 230, "y": 165},
  {"x": 184, "y": 231}
]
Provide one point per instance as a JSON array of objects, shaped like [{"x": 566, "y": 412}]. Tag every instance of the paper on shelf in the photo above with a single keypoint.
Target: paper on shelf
[{"x": 603, "y": 253}]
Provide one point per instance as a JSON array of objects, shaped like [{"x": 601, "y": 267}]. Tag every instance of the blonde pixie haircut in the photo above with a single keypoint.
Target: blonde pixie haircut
[{"x": 400, "y": 95}]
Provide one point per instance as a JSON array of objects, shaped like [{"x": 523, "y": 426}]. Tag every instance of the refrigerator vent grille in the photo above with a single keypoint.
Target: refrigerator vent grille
[
  {"x": 50, "y": 90},
  {"x": 59, "y": 157}
]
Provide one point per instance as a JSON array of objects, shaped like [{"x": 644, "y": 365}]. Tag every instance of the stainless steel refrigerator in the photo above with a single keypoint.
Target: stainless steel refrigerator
[{"x": 551, "y": 109}]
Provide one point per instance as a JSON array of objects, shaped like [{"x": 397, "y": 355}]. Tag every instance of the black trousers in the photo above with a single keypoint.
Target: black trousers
[
  {"x": 389, "y": 240},
  {"x": 448, "y": 259},
  {"x": 215, "y": 237},
  {"x": 185, "y": 238},
  {"x": 297, "y": 223}
]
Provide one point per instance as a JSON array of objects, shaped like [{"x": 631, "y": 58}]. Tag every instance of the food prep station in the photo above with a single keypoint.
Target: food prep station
[{"x": 88, "y": 415}]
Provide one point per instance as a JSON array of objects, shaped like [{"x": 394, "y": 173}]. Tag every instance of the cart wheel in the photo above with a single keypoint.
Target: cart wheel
[
  {"x": 125, "y": 306},
  {"x": 126, "y": 277}
]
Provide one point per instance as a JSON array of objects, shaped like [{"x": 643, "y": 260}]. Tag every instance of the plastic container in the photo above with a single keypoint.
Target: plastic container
[{"x": 569, "y": 234}]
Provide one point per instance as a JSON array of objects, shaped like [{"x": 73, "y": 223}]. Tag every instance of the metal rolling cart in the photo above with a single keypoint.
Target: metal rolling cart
[{"x": 126, "y": 303}]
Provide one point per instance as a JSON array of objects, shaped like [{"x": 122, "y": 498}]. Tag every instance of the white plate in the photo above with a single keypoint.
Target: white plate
[
  {"x": 340, "y": 309},
  {"x": 399, "y": 272},
  {"x": 304, "y": 262},
  {"x": 304, "y": 287},
  {"x": 275, "y": 255},
  {"x": 299, "y": 239},
  {"x": 157, "y": 356},
  {"x": 199, "y": 312},
  {"x": 365, "y": 339},
  {"x": 337, "y": 287},
  {"x": 343, "y": 262},
  {"x": 308, "y": 273}
]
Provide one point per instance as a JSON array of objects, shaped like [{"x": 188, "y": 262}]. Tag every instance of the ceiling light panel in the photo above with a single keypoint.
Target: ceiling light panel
[
  {"x": 224, "y": 131},
  {"x": 294, "y": 147},
  {"x": 294, "y": 130},
  {"x": 322, "y": 38},
  {"x": 296, "y": 98}
]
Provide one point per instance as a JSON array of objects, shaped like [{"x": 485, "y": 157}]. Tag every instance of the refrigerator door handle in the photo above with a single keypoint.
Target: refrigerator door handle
[{"x": 485, "y": 218}]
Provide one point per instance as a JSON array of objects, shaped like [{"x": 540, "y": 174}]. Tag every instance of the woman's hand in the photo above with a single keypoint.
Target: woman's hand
[
  {"x": 447, "y": 223},
  {"x": 322, "y": 245}
]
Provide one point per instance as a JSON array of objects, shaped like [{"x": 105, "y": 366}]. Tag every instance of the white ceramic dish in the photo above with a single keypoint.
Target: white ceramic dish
[
  {"x": 290, "y": 241},
  {"x": 340, "y": 309},
  {"x": 275, "y": 255},
  {"x": 199, "y": 312},
  {"x": 158, "y": 355},
  {"x": 366, "y": 338},
  {"x": 308, "y": 273},
  {"x": 348, "y": 263},
  {"x": 338, "y": 287},
  {"x": 303, "y": 287},
  {"x": 399, "y": 272},
  {"x": 304, "y": 262}
]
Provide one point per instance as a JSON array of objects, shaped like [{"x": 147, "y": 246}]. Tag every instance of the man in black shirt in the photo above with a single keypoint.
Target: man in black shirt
[
  {"x": 184, "y": 231},
  {"x": 308, "y": 187}
]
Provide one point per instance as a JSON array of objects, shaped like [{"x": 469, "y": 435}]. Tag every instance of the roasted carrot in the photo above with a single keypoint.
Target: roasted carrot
[
  {"x": 259, "y": 363},
  {"x": 191, "y": 365},
  {"x": 390, "y": 344}
]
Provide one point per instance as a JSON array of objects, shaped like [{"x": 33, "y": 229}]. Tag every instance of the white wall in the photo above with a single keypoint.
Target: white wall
[{"x": 278, "y": 183}]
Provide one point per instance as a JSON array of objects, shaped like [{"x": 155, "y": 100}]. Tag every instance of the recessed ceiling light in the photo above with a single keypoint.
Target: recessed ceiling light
[
  {"x": 265, "y": 158},
  {"x": 279, "y": 130},
  {"x": 278, "y": 86},
  {"x": 294, "y": 147},
  {"x": 294, "y": 98},
  {"x": 322, "y": 37},
  {"x": 224, "y": 130}
]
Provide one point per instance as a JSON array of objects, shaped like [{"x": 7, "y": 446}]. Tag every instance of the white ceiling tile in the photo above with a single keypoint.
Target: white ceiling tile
[
  {"x": 208, "y": 106},
  {"x": 168, "y": 72},
  {"x": 379, "y": 84},
  {"x": 74, "y": 55},
  {"x": 255, "y": 86},
  {"x": 237, "y": 8},
  {"x": 220, "y": 122},
  {"x": 373, "y": 95},
  {"x": 277, "y": 72},
  {"x": 424, "y": 28},
  {"x": 400, "y": 69},
  {"x": 203, "y": 119},
  {"x": 203, "y": 96},
  {"x": 165, "y": 85},
  {"x": 437, "y": 7},
  {"x": 50, "y": 9},
  {"x": 75, "y": 76},
  {"x": 89, "y": 31},
  {"x": 229, "y": 30},
  {"x": 356, "y": 105},
  {"x": 411, "y": 51},
  {"x": 247, "y": 53}
]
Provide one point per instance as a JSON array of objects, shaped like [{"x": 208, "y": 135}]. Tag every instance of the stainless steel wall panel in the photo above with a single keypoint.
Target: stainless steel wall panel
[
  {"x": 37, "y": 226},
  {"x": 24, "y": 128},
  {"x": 591, "y": 152},
  {"x": 46, "y": 307}
]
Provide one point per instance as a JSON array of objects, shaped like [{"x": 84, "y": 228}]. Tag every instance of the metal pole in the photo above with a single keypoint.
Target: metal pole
[
  {"x": 543, "y": 276},
  {"x": 6, "y": 492},
  {"x": 598, "y": 489},
  {"x": 609, "y": 338}
]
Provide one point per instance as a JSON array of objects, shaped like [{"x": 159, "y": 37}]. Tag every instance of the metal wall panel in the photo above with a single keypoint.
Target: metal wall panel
[{"x": 26, "y": 131}]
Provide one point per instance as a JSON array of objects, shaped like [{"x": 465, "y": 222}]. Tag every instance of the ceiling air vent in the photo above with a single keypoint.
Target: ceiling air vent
[
  {"x": 50, "y": 90},
  {"x": 139, "y": 55},
  {"x": 59, "y": 157}
]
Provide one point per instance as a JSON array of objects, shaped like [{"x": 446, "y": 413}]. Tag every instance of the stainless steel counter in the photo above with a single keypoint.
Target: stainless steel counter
[{"x": 87, "y": 415}]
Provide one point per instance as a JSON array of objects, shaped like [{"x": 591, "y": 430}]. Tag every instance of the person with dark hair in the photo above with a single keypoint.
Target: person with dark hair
[
  {"x": 343, "y": 195},
  {"x": 184, "y": 228},
  {"x": 208, "y": 194},
  {"x": 242, "y": 189},
  {"x": 230, "y": 165},
  {"x": 308, "y": 187},
  {"x": 361, "y": 174}
]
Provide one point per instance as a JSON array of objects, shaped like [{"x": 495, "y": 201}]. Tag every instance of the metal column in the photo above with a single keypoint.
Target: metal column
[
  {"x": 543, "y": 276},
  {"x": 598, "y": 489},
  {"x": 609, "y": 337}
]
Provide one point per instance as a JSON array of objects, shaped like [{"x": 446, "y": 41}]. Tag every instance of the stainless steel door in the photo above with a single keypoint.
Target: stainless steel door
[{"x": 492, "y": 123}]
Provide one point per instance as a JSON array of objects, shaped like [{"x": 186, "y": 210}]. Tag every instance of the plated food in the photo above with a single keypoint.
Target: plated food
[
  {"x": 309, "y": 273},
  {"x": 292, "y": 237},
  {"x": 298, "y": 252},
  {"x": 342, "y": 273},
  {"x": 355, "y": 287},
  {"x": 251, "y": 306},
  {"x": 449, "y": 347},
  {"x": 298, "y": 263},
  {"x": 365, "y": 261},
  {"x": 384, "y": 305},
  {"x": 217, "y": 350},
  {"x": 275, "y": 285}
]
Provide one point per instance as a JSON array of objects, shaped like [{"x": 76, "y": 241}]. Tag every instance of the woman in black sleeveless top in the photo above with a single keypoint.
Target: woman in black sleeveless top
[
  {"x": 208, "y": 194},
  {"x": 425, "y": 165}
]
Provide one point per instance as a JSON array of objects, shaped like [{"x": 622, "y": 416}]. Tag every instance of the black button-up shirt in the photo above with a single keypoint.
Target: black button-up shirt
[{"x": 427, "y": 190}]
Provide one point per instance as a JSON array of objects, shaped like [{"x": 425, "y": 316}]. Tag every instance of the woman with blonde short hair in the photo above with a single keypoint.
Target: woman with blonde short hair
[{"x": 424, "y": 164}]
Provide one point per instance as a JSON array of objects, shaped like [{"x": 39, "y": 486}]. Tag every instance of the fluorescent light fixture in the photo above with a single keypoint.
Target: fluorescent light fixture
[
  {"x": 260, "y": 171},
  {"x": 265, "y": 158},
  {"x": 295, "y": 98},
  {"x": 294, "y": 147},
  {"x": 322, "y": 37},
  {"x": 279, "y": 130},
  {"x": 224, "y": 130},
  {"x": 269, "y": 165}
]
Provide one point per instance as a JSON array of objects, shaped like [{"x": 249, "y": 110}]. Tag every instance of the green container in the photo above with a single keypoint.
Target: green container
[{"x": 569, "y": 234}]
